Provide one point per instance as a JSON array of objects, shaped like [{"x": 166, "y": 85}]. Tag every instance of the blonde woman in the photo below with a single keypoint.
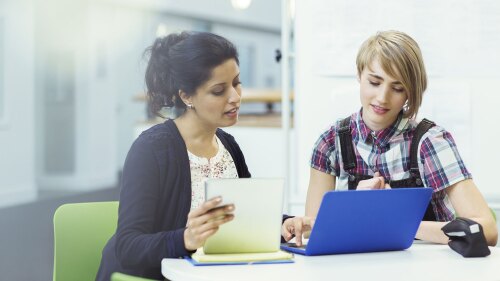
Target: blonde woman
[{"x": 375, "y": 150}]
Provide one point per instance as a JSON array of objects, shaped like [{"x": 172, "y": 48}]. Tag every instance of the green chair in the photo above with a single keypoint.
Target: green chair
[
  {"x": 117, "y": 276},
  {"x": 80, "y": 232}
]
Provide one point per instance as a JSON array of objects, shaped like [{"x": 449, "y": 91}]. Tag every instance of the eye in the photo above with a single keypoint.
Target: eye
[
  {"x": 236, "y": 83},
  {"x": 399, "y": 90},
  {"x": 374, "y": 83},
  {"x": 219, "y": 93},
  {"x": 218, "y": 90}
]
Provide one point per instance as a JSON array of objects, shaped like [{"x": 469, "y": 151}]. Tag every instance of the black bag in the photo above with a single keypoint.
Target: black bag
[{"x": 466, "y": 238}]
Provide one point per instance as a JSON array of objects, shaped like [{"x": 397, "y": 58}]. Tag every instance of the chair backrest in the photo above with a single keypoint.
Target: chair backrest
[{"x": 80, "y": 232}]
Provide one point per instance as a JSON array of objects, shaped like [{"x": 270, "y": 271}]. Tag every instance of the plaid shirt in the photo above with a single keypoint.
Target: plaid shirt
[{"x": 388, "y": 152}]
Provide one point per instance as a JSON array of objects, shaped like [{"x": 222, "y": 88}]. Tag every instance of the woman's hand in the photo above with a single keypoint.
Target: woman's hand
[
  {"x": 204, "y": 221},
  {"x": 296, "y": 226},
  {"x": 377, "y": 182}
]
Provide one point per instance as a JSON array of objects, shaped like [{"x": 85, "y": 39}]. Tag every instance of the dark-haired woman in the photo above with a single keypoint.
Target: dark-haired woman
[{"x": 163, "y": 213}]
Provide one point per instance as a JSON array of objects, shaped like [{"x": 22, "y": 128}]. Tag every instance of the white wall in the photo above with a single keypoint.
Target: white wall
[
  {"x": 460, "y": 42},
  {"x": 17, "y": 174},
  {"x": 76, "y": 150},
  {"x": 96, "y": 103},
  {"x": 265, "y": 71}
]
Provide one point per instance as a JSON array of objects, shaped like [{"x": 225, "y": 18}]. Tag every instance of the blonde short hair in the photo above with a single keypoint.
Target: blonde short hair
[{"x": 401, "y": 58}]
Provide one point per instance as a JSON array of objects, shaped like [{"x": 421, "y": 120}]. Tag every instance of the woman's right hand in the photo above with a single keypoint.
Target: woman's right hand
[
  {"x": 204, "y": 221},
  {"x": 296, "y": 226},
  {"x": 377, "y": 182}
]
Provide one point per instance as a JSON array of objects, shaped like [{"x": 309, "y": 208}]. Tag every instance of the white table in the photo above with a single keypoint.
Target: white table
[{"x": 422, "y": 261}]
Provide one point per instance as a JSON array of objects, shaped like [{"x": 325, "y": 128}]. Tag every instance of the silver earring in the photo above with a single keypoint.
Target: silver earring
[{"x": 190, "y": 106}]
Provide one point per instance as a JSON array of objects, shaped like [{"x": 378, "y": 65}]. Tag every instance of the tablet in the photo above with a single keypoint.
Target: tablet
[{"x": 256, "y": 226}]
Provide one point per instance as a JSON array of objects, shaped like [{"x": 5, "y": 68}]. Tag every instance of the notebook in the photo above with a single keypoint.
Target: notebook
[
  {"x": 201, "y": 259},
  {"x": 360, "y": 221},
  {"x": 256, "y": 227}
]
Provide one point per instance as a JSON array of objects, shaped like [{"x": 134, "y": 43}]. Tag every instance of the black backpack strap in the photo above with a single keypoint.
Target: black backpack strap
[
  {"x": 421, "y": 129},
  {"x": 348, "y": 156}
]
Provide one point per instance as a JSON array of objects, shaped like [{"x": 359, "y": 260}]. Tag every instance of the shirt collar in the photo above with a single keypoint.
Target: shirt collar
[{"x": 382, "y": 137}]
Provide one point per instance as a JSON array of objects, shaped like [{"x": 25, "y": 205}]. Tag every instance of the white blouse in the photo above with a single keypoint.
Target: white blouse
[{"x": 219, "y": 166}]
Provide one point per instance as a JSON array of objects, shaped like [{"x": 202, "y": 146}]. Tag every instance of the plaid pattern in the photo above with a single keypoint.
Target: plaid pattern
[{"x": 388, "y": 152}]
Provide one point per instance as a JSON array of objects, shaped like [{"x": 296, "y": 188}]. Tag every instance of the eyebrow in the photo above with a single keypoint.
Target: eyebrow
[
  {"x": 381, "y": 78},
  {"x": 223, "y": 83},
  {"x": 218, "y": 84}
]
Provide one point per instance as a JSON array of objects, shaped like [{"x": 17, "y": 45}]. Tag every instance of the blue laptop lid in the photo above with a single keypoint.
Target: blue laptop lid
[{"x": 368, "y": 220}]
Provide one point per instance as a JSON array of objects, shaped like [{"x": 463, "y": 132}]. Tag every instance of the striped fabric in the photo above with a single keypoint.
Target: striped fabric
[{"x": 388, "y": 152}]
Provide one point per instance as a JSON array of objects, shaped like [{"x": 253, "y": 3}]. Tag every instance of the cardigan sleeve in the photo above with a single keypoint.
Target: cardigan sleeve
[{"x": 137, "y": 243}]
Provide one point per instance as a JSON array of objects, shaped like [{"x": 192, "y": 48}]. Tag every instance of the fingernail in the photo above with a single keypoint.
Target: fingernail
[
  {"x": 218, "y": 199},
  {"x": 230, "y": 208}
]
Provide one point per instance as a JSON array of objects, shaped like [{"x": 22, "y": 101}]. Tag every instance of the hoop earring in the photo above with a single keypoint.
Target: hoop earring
[{"x": 406, "y": 107}]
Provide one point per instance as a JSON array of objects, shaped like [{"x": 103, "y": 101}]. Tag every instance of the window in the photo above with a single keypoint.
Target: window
[{"x": 247, "y": 59}]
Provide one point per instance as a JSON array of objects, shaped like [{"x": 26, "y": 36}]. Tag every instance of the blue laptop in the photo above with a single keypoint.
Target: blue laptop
[{"x": 359, "y": 221}]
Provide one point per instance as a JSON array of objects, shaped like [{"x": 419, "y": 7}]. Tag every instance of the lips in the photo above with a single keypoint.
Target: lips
[
  {"x": 232, "y": 113},
  {"x": 378, "y": 109},
  {"x": 234, "y": 110}
]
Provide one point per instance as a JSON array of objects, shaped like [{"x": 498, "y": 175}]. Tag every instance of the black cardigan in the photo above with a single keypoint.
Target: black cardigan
[{"x": 155, "y": 200}]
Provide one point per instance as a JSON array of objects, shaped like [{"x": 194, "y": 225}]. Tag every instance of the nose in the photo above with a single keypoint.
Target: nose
[
  {"x": 235, "y": 96},
  {"x": 383, "y": 94}
]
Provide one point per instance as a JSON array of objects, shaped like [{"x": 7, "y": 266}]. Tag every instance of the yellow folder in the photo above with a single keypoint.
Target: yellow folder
[{"x": 279, "y": 256}]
